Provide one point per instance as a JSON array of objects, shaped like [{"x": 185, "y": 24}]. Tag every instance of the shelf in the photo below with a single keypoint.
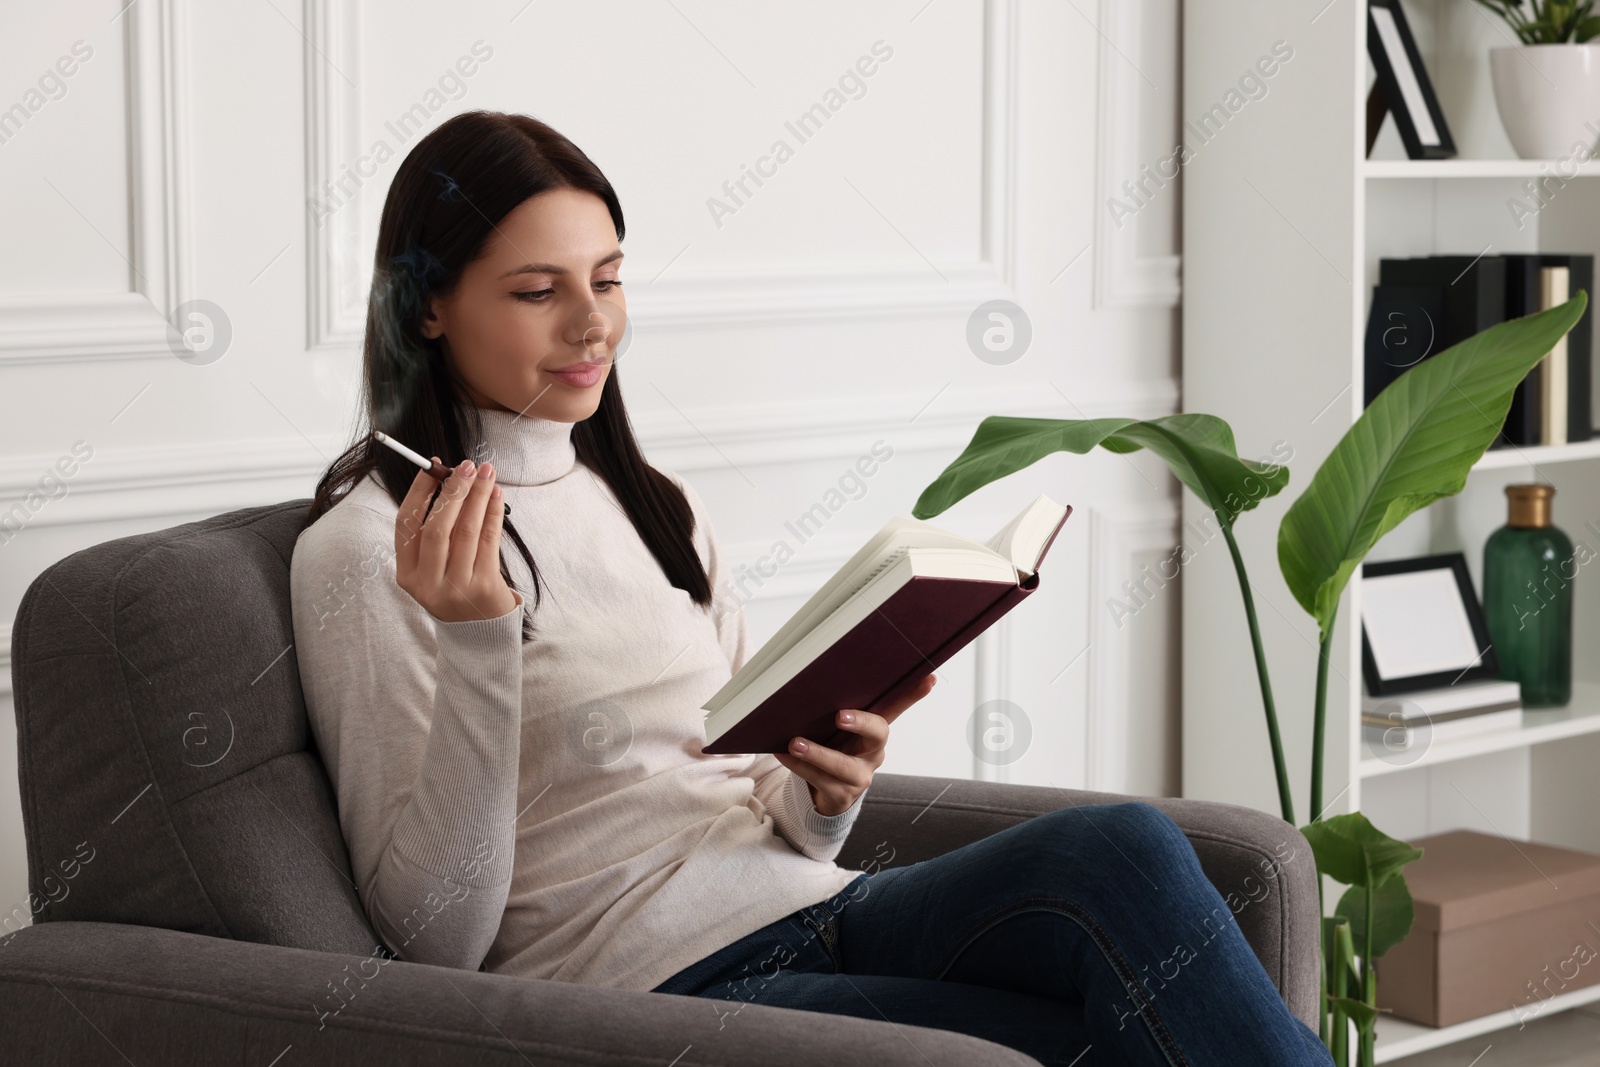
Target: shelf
[
  {"x": 1398, "y": 1039},
  {"x": 1499, "y": 459},
  {"x": 1279, "y": 225},
  {"x": 1580, "y": 716},
  {"x": 1475, "y": 168}
]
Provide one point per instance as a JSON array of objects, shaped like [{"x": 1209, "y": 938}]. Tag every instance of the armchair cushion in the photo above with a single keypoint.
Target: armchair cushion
[
  {"x": 162, "y": 732},
  {"x": 94, "y": 993}
]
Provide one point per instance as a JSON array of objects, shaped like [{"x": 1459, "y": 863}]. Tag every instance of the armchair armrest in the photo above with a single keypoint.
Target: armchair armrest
[
  {"x": 83, "y": 992},
  {"x": 1261, "y": 865}
]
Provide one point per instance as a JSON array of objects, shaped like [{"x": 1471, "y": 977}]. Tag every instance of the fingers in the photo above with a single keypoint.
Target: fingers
[
  {"x": 836, "y": 771},
  {"x": 892, "y": 710},
  {"x": 448, "y": 558},
  {"x": 440, "y": 525},
  {"x": 408, "y": 521},
  {"x": 806, "y": 771},
  {"x": 826, "y": 767},
  {"x": 494, "y": 517},
  {"x": 872, "y": 729},
  {"x": 465, "y": 533},
  {"x": 829, "y": 795}
]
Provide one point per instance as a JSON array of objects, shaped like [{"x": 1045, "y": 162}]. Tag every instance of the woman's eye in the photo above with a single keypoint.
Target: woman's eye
[{"x": 537, "y": 296}]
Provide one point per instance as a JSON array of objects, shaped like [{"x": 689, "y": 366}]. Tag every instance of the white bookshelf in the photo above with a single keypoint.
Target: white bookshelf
[
  {"x": 1540, "y": 726},
  {"x": 1506, "y": 458},
  {"x": 1284, "y": 225},
  {"x": 1475, "y": 168},
  {"x": 1398, "y": 1040}
]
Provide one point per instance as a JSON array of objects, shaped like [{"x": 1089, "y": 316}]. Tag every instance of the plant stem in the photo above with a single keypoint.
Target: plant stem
[
  {"x": 1331, "y": 983},
  {"x": 1281, "y": 768},
  {"x": 1369, "y": 980},
  {"x": 1336, "y": 986},
  {"x": 1328, "y": 954},
  {"x": 1339, "y": 1024},
  {"x": 1319, "y": 719}
]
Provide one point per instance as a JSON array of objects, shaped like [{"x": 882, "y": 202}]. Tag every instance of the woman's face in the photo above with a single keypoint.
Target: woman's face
[{"x": 543, "y": 298}]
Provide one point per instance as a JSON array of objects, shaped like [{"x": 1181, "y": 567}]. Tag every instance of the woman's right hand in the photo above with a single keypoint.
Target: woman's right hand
[{"x": 449, "y": 559}]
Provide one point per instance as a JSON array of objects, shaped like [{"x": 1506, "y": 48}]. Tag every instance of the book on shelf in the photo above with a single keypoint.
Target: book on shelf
[
  {"x": 1387, "y": 736},
  {"x": 913, "y": 596},
  {"x": 1579, "y": 346},
  {"x": 1581, "y": 378},
  {"x": 1402, "y": 330},
  {"x": 1459, "y": 296},
  {"x": 1553, "y": 381},
  {"x": 1468, "y": 297},
  {"x": 1395, "y": 723},
  {"x": 1524, "y": 296}
]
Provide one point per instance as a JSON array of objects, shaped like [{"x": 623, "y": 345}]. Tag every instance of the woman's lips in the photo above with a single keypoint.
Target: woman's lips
[{"x": 579, "y": 375}]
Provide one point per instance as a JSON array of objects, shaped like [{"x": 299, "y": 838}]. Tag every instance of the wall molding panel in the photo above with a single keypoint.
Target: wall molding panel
[
  {"x": 136, "y": 484},
  {"x": 692, "y": 302},
  {"x": 336, "y": 294},
  {"x": 1119, "y": 534},
  {"x": 991, "y": 680},
  {"x": 130, "y": 325},
  {"x": 338, "y": 274},
  {"x": 1123, "y": 276}
]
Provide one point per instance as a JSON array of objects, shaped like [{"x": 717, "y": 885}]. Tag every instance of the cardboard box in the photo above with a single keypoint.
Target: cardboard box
[{"x": 1500, "y": 925}]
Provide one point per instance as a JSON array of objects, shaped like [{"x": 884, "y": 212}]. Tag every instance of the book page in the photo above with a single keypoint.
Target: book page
[{"x": 1022, "y": 539}]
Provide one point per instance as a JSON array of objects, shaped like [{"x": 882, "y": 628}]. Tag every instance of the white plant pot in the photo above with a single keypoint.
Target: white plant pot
[{"x": 1548, "y": 96}]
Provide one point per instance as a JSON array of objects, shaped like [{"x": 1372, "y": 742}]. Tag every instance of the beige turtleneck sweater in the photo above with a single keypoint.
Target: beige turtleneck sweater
[{"x": 544, "y": 808}]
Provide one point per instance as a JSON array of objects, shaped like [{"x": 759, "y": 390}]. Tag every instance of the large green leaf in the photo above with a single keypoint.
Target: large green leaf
[
  {"x": 1349, "y": 849},
  {"x": 1413, "y": 445},
  {"x": 1393, "y": 912},
  {"x": 1198, "y": 448}
]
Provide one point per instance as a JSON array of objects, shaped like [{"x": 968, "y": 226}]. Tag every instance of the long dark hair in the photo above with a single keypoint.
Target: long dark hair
[{"x": 451, "y": 190}]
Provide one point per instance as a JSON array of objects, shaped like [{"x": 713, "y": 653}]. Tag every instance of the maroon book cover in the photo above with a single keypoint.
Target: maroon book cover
[{"x": 924, "y": 623}]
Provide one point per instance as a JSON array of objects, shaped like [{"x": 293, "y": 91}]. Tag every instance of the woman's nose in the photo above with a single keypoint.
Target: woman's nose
[{"x": 598, "y": 324}]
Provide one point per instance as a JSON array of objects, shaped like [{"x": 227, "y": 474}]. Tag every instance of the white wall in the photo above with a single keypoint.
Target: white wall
[{"x": 186, "y": 155}]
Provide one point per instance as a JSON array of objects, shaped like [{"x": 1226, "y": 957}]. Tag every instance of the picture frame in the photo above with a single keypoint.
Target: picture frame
[
  {"x": 1407, "y": 90},
  {"x": 1422, "y": 626}
]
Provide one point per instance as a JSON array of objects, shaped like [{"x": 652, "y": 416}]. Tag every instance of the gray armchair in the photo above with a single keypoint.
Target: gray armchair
[{"x": 192, "y": 898}]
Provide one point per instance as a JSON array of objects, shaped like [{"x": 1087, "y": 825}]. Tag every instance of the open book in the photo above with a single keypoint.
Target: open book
[{"x": 911, "y": 598}]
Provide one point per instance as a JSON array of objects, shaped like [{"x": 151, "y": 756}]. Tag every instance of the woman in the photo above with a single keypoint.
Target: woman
[{"x": 520, "y": 778}]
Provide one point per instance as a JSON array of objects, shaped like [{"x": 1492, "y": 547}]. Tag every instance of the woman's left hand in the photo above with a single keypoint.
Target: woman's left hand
[{"x": 837, "y": 776}]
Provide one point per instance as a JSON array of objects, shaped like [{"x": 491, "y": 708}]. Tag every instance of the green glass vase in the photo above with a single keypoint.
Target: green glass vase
[{"x": 1528, "y": 570}]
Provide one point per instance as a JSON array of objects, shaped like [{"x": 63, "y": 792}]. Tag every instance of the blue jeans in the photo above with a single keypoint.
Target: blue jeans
[{"x": 1086, "y": 935}]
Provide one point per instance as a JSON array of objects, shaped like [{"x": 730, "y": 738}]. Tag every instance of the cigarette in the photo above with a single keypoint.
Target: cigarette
[{"x": 437, "y": 470}]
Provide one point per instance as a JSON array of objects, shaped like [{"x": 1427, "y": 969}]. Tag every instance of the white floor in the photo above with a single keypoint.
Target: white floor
[{"x": 1570, "y": 1039}]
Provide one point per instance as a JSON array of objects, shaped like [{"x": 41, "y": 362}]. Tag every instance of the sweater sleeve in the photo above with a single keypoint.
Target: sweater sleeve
[
  {"x": 797, "y": 819},
  {"x": 418, "y": 722},
  {"x": 785, "y": 795}
]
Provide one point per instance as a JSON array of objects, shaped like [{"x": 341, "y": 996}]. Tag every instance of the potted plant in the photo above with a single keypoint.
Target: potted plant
[
  {"x": 1413, "y": 445},
  {"x": 1547, "y": 88}
]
